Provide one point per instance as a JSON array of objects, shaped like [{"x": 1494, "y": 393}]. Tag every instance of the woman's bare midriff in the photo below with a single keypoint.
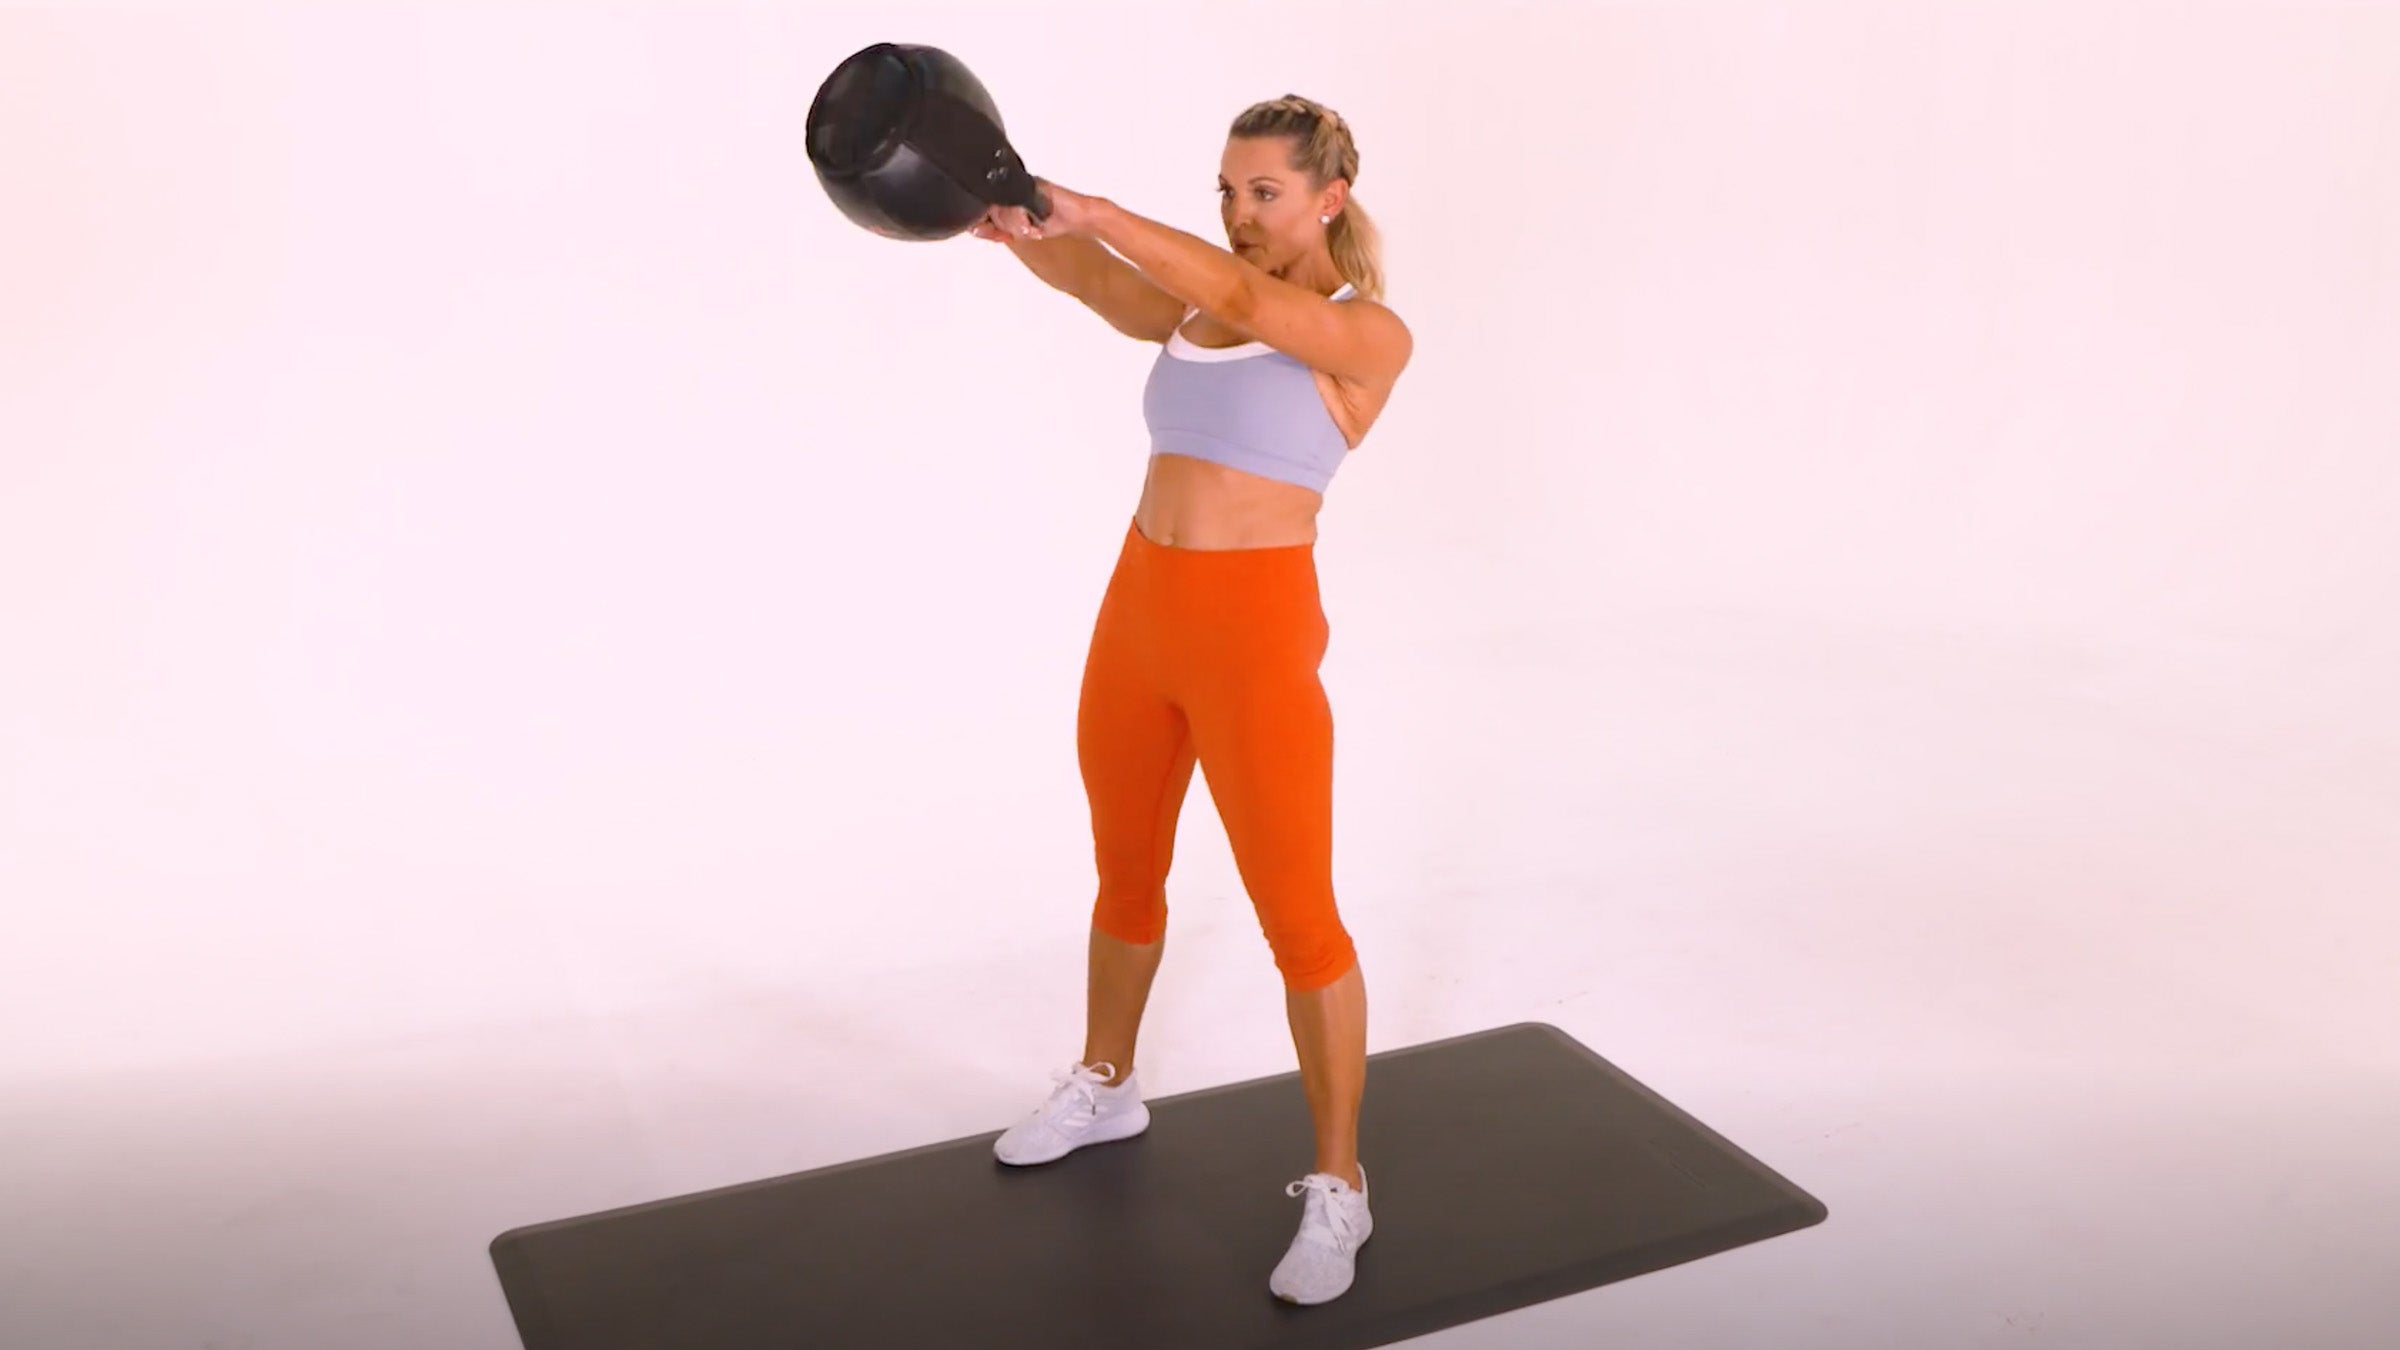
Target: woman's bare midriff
[{"x": 1192, "y": 503}]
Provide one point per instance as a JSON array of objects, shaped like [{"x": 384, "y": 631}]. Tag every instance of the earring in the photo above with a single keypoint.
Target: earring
[{"x": 1324, "y": 220}]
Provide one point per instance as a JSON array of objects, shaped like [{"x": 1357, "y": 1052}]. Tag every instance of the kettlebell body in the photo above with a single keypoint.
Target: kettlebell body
[{"x": 908, "y": 144}]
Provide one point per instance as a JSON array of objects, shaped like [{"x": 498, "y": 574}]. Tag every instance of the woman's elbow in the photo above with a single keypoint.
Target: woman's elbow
[{"x": 1237, "y": 300}]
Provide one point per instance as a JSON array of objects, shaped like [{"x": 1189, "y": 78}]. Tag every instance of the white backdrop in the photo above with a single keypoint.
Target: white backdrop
[{"x": 1882, "y": 570}]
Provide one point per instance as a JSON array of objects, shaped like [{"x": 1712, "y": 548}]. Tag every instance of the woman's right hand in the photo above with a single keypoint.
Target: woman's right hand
[{"x": 1004, "y": 223}]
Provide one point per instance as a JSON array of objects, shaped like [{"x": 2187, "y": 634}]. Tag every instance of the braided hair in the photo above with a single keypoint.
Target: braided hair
[{"x": 1324, "y": 150}]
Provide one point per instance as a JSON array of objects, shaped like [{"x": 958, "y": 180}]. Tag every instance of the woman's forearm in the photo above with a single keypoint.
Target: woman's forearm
[
  {"x": 1186, "y": 266},
  {"x": 1069, "y": 265}
]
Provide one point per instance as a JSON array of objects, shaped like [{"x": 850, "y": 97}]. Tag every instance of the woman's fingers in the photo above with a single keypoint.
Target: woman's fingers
[{"x": 1004, "y": 223}]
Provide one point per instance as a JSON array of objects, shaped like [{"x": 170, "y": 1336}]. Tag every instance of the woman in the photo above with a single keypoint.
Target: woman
[{"x": 1277, "y": 358}]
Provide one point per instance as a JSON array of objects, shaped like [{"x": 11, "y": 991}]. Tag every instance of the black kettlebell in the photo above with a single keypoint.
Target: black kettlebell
[{"x": 908, "y": 144}]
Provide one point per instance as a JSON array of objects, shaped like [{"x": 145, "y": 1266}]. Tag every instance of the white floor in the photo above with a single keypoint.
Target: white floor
[{"x": 2070, "y": 987}]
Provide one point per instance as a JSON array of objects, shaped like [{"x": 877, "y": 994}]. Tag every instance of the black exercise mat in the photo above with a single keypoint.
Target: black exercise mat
[{"x": 1505, "y": 1168}]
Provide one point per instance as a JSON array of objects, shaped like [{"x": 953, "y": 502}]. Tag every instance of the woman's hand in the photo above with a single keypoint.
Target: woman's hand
[
  {"x": 1004, "y": 223},
  {"x": 1071, "y": 217},
  {"x": 1072, "y": 214}
]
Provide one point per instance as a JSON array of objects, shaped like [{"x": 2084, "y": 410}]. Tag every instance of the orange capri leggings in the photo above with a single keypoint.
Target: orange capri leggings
[{"x": 1212, "y": 655}]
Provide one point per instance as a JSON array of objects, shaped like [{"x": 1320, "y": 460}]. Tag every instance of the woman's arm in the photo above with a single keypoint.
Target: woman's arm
[
  {"x": 1358, "y": 339},
  {"x": 1103, "y": 282},
  {"x": 1185, "y": 266},
  {"x": 1068, "y": 265}
]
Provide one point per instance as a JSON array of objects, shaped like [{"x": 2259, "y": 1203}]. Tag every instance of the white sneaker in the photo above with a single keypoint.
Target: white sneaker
[
  {"x": 1081, "y": 1110},
  {"x": 1334, "y": 1224}
]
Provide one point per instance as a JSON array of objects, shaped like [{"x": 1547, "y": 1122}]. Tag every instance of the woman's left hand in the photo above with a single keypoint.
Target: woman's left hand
[{"x": 1072, "y": 214}]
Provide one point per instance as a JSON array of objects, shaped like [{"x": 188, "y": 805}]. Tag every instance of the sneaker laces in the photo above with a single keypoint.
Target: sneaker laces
[
  {"x": 1323, "y": 1220},
  {"x": 1081, "y": 1082}
]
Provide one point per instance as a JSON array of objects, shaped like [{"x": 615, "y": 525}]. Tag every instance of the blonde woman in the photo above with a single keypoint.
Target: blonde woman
[{"x": 1277, "y": 354}]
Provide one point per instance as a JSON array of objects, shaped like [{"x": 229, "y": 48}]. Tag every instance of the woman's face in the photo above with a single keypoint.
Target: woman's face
[{"x": 1270, "y": 214}]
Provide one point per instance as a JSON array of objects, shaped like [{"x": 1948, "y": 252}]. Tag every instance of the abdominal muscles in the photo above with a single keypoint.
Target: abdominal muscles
[{"x": 1192, "y": 503}]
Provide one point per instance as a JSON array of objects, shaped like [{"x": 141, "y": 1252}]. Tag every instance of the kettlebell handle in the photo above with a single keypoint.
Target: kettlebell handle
[
  {"x": 975, "y": 154},
  {"x": 1018, "y": 188}
]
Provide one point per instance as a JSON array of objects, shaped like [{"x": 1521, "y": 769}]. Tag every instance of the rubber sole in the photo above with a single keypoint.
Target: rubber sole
[{"x": 1109, "y": 1131}]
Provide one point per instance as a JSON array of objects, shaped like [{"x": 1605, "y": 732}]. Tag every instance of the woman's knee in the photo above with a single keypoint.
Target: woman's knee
[
  {"x": 1314, "y": 959},
  {"x": 1131, "y": 916}
]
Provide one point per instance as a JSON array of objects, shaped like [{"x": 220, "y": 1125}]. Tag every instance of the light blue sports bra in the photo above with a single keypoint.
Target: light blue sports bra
[{"x": 1250, "y": 407}]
